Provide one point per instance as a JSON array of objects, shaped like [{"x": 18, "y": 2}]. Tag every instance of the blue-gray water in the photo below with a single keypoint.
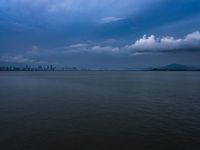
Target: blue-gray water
[{"x": 99, "y": 110}]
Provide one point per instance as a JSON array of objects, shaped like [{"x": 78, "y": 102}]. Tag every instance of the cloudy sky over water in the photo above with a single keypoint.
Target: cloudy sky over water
[{"x": 100, "y": 33}]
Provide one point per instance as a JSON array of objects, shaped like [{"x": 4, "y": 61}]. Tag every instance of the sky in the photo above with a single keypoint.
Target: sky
[{"x": 100, "y": 34}]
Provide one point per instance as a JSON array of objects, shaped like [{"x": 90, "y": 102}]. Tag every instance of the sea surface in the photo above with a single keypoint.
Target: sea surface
[{"x": 99, "y": 110}]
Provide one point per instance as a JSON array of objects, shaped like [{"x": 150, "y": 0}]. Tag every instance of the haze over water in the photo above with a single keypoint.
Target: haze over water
[{"x": 99, "y": 110}]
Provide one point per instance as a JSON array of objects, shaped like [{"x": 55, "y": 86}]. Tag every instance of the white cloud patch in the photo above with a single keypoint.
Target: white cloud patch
[
  {"x": 60, "y": 5},
  {"x": 20, "y": 59},
  {"x": 109, "y": 41},
  {"x": 152, "y": 44},
  {"x": 110, "y": 19},
  {"x": 79, "y": 45},
  {"x": 16, "y": 59},
  {"x": 105, "y": 49},
  {"x": 92, "y": 49},
  {"x": 35, "y": 48},
  {"x": 145, "y": 45}
]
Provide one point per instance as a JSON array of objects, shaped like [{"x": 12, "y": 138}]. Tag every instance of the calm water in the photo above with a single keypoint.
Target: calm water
[{"x": 99, "y": 110}]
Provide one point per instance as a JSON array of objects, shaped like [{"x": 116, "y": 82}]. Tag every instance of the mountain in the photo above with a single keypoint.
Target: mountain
[{"x": 175, "y": 67}]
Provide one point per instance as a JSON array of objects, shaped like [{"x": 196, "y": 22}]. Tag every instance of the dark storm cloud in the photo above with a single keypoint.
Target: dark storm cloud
[{"x": 80, "y": 31}]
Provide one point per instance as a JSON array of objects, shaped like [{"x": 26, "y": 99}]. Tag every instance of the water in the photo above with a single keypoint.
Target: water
[{"x": 99, "y": 110}]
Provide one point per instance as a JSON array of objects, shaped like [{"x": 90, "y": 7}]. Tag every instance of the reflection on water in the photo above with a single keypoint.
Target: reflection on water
[{"x": 99, "y": 110}]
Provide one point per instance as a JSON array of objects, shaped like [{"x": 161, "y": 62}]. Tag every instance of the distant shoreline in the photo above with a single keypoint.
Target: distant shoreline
[
  {"x": 51, "y": 68},
  {"x": 101, "y": 70}
]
